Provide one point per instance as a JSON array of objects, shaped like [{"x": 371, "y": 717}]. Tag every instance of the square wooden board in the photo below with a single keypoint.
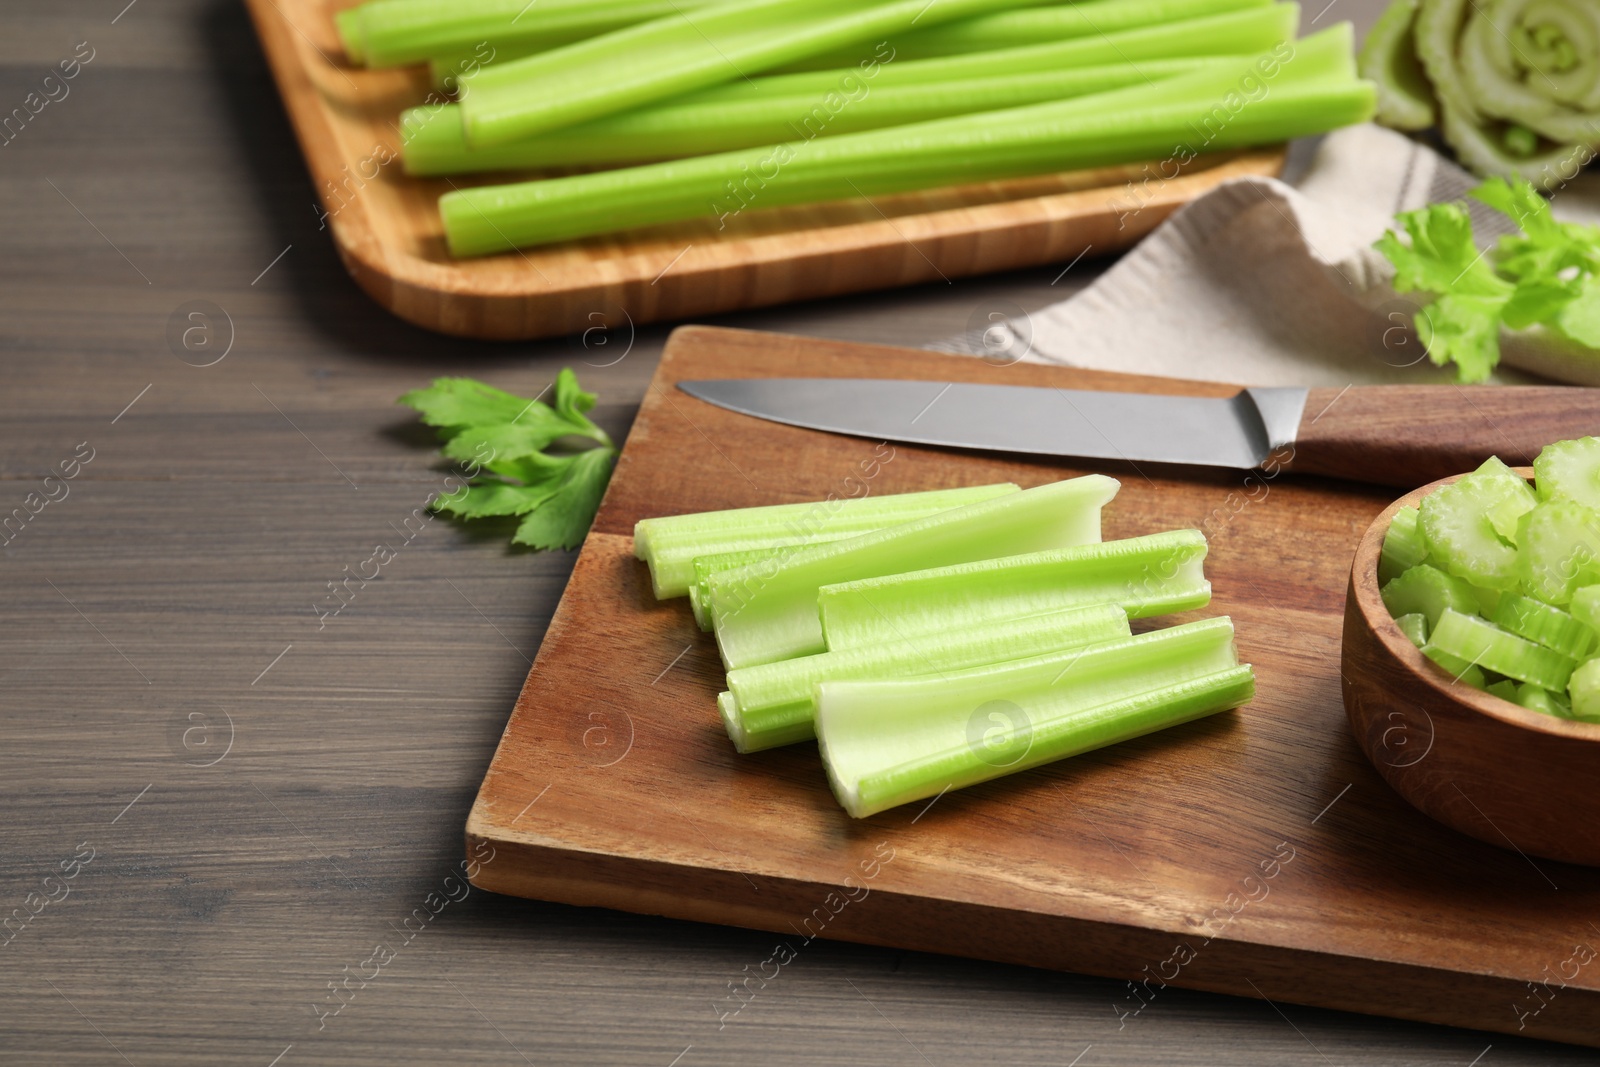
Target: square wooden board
[
  {"x": 1255, "y": 853},
  {"x": 387, "y": 229}
]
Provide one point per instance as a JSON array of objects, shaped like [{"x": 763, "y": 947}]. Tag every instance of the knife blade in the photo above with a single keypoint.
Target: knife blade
[{"x": 1391, "y": 435}]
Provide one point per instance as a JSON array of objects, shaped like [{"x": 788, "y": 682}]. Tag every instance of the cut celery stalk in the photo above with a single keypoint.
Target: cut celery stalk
[
  {"x": 1414, "y": 626},
  {"x": 1505, "y": 689},
  {"x": 889, "y": 743},
  {"x": 1542, "y": 700},
  {"x": 1461, "y": 538},
  {"x": 1570, "y": 470},
  {"x": 1486, "y": 645},
  {"x": 716, "y": 120},
  {"x": 677, "y": 54},
  {"x": 776, "y": 702},
  {"x": 396, "y": 32},
  {"x": 1144, "y": 576},
  {"x": 1428, "y": 591},
  {"x": 766, "y": 612},
  {"x": 1584, "y": 688},
  {"x": 1559, "y": 550},
  {"x": 670, "y": 544},
  {"x": 705, "y": 566},
  {"x": 1463, "y": 671},
  {"x": 1545, "y": 625},
  {"x": 1404, "y": 546},
  {"x": 1516, "y": 498}
]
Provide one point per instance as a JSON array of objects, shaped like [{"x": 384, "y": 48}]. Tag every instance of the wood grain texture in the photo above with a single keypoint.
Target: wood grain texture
[
  {"x": 387, "y": 227},
  {"x": 197, "y": 541},
  {"x": 1485, "y": 766},
  {"x": 1410, "y": 435},
  {"x": 614, "y": 784}
]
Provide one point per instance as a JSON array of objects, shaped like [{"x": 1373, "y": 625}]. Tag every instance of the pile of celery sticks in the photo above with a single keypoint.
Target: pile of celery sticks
[
  {"x": 751, "y": 104},
  {"x": 930, "y": 641}
]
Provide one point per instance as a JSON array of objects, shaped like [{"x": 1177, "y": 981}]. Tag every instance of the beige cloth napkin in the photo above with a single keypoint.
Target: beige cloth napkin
[{"x": 1275, "y": 282}]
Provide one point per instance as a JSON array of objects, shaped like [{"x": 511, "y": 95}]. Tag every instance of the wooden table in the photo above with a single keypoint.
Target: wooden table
[{"x": 268, "y": 793}]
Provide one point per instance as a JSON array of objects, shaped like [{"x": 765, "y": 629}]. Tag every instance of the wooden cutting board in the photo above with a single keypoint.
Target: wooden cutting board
[
  {"x": 387, "y": 229},
  {"x": 1255, "y": 853}
]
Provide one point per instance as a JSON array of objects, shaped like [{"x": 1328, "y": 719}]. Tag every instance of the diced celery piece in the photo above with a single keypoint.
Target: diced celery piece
[
  {"x": 1585, "y": 607},
  {"x": 1517, "y": 499},
  {"x": 1584, "y": 689},
  {"x": 1145, "y": 576},
  {"x": 1461, "y": 539},
  {"x": 1403, "y": 546},
  {"x": 1559, "y": 550},
  {"x": 1545, "y": 625},
  {"x": 669, "y": 544},
  {"x": 1463, "y": 671},
  {"x": 1542, "y": 700},
  {"x": 1570, "y": 470},
  {"x": 1415, "y": 627},
  {"x": 763, "y": 612},
  {"x": 1481, "y": 642},
  {"x": 889, "y": 743},
  {"x": 774, "y": 703},
  {"x": 1428, "y": 591},
  {"x": 1505, "y": 689}
]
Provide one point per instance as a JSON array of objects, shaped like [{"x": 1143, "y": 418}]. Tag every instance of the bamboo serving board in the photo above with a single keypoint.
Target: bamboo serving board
[
  {"x": 387, "y": 230},
  {"x": 1255, "y": 853}
]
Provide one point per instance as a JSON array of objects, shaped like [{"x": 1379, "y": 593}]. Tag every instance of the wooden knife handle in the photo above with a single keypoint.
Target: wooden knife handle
[{"x": 1409, "y": 435}]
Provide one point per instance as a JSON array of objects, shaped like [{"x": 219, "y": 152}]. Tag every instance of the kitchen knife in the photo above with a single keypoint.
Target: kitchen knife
[{"x": 1395, "y": 435}]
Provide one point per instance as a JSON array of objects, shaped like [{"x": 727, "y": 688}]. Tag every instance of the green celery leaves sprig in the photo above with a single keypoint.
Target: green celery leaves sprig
[
  {"x": 1548, "y": 276},
  {"x": 505, "y": 442}
]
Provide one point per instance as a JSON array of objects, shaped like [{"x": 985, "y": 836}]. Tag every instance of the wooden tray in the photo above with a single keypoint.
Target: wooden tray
[
  {"x": 1256, "y": 853},
  {"x": 387, "y": 228}
]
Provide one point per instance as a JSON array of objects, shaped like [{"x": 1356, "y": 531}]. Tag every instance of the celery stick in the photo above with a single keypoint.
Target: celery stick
[
  {"x": 1414, "y": 626},
  {"x": 675, "y": 54},
  {"x": 669, "y": 544},
  {"x": 1010, "y": 29},
  {"x": 1144, "y": 576},
  {"x": 1486, "y": 645},
  {"x": 767, "y": 612},
  {"x": 888, "y": 743},
  {"x": 1236, "y": 34},
  {"x": 1403, "y": 546},
  {"x": 1584, "y": 689},
  {"x": 774, "y": 703},
  {"x": 707, "y": 122},
  {"x": 396, "y": 32},
  {"x": 706, "y": 566},
  {"x": 1183, "y": 114},
  {"x": 1428, "y": 591}
]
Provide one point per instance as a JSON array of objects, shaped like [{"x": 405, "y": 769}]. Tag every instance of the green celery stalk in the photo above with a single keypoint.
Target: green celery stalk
[
  {"x": 677, "y": 54},
  {"x": 767, "y": 612},
  {"x": 774, "y": 703},
  {"x": 700, "y": 124},
  {"x": 706, "y": 566},
  {"x": 1175, "y": 118},
  {"x": 1010, "y": 29},
  {"x": 889, "y": 743},
  {"x": 390, "y": 33},
  {"x": 1143, "y": 576},
  {"x": 669, "y": 544}
]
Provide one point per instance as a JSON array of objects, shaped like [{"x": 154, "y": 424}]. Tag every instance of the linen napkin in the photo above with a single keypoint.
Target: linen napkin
[{"x": 1275, "y": 282}]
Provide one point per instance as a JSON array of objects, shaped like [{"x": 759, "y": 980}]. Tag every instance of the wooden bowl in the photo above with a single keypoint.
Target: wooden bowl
[{"x": 1484, "y": 766}]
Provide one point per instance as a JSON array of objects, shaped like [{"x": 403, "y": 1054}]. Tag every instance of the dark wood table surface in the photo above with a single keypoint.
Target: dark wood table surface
[{"x": 249, "y": 798}]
